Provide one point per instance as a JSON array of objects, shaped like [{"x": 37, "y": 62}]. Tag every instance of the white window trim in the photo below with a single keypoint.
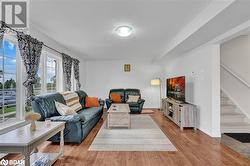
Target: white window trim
[
  {"x": 20, "y": 99},
  {"x": 59, "y": 74}
]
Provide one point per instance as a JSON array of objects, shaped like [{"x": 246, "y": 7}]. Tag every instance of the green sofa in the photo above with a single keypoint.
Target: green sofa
[
  {"x": 135, "y": 107},
  {"x": 77, "y": 126}
]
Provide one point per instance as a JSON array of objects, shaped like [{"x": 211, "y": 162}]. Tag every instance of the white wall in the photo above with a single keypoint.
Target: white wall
[
  {"x": 102, "y": 76},
  {"x": 235, "y": 54},
  {"x": 202, "y": 70},
  {"x": 35, "y": 32}
]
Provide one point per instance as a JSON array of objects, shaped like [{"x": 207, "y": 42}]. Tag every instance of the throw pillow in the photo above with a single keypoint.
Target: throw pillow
[
  {"x": 91, "y": 102},
  {"x": 115, "y": 97},
  {"x": 133, "y": 99},
  {"x": 64, "y": 109},
  {"x": 72, "y": 100}
]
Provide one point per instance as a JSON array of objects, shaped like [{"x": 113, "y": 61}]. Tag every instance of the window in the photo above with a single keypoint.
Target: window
[
  {"x": 10, "y": 109},
  {"x": 49, "y": 76}
]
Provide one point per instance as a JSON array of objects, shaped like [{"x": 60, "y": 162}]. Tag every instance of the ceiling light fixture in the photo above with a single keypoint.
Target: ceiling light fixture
[{"x": 124, "y": 30}]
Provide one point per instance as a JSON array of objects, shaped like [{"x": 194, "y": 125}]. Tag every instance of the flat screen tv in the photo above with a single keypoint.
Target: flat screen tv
[{"x": 176, "y": 88}]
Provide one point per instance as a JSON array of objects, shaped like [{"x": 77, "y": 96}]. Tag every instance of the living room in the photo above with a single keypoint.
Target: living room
[{"x": 90, "y": 82}]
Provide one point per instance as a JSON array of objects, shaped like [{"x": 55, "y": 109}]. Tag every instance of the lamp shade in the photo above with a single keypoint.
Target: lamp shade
[{"x": 155, "y": 82}]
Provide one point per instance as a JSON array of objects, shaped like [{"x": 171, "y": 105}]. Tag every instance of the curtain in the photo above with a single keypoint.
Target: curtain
[
  {"x": 30, "y": 50},
  {"x": 1, "y": 36},
  {"x": 76, "y": 73},
  {"x": 67, "y": 68}
]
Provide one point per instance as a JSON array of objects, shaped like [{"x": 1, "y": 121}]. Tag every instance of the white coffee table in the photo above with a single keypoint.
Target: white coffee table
[
  {"x": 22, "y": 140},
  {"x": 119, "y": 116}
]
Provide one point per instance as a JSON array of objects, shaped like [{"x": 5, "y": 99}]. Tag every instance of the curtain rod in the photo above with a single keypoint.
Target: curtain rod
[{"x": 4, "y": 25}]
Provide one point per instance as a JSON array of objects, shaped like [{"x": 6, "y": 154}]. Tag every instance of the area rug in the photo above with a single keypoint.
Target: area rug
[
  {"x": 147, "y": 112},
  {"x": 242, "y": 137},
  {"x": 144, "y": 135}
]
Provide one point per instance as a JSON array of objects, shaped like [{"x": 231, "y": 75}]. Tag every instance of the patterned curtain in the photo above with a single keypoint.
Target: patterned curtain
[
  {"x": 1, "y": 36},
  {"x": 67, "y": 68},
  {"x": 30, "y": 50},
  {"x": 76, "y": 73}
]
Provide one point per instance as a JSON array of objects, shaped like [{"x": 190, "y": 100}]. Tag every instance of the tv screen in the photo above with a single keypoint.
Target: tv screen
[{"x": 176, "y": 88}]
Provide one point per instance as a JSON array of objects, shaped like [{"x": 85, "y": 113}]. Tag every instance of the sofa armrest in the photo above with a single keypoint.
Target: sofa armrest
[
  {"x": 68, "y": 118},
  {"x": 108, "y": 103},
  {"x": 101, "y": 102},
  {"x": 141, "y": 101}
]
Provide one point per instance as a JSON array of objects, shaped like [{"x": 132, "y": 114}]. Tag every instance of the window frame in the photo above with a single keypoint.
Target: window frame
[
  {"x": 20, "y": 100},
  {"x": 43, "y": 62}
]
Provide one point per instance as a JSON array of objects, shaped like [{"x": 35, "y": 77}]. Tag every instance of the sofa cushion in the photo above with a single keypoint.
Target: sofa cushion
[
  {"x": 68, "y": 118},
  {"x": 133, "y": 104},
  {"x": 90, "y": 113}
]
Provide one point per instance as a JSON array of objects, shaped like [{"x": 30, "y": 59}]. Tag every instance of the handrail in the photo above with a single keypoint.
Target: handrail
[{"x": 235, "y": 75}]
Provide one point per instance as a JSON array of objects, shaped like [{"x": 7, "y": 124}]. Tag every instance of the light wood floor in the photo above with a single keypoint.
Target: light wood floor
[{"x": 194, "y": 148}]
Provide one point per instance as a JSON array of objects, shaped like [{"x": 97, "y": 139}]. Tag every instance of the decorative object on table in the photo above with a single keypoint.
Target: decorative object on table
[
  {"x": 157, "y": 82},
  {"x": 91, "y": 102},
  {"x": 32, "y": 117},
  {"x": 127, "y": 67},
  {"x": 47, "y": 122}
]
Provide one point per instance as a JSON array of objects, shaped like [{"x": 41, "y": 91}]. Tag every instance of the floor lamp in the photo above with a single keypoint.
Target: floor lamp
[{"x": 157, "y": 82}]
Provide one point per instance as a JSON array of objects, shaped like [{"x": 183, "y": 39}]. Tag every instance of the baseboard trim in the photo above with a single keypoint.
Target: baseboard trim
[{"x": 151, "y": 108}]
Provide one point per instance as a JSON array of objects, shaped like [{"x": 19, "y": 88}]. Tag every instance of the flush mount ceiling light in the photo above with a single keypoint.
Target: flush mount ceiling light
[{"x": 124, "y": 30}]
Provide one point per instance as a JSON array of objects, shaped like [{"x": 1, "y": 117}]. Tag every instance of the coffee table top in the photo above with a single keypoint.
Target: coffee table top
[
  {"x": 119, "y": 107},
  {"x": 22, "y": 136}
]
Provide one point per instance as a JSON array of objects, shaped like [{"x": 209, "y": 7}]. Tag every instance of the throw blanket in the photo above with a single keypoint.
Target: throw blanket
[{"x": 72, "y": 100}]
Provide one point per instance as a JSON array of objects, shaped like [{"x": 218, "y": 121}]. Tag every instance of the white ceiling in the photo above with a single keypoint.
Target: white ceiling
[{"x": 85, "y": 26}]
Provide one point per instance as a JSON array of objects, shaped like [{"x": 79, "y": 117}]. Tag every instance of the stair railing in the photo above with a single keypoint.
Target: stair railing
[{"x": 235, "y": 75}]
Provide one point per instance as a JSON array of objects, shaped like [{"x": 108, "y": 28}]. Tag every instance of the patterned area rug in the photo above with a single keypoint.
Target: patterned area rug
[{"x": 144, "y": 135}]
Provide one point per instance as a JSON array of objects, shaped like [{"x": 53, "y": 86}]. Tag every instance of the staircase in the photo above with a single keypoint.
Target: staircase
[{"x": 232, "y": 119}]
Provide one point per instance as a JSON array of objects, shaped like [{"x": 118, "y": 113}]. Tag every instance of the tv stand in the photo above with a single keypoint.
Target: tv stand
[{"x": 182, "y": 114}]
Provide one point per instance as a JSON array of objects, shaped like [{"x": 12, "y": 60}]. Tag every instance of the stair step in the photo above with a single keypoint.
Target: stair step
[
  {"x": 226, "y": 130},
  {"x": 228, "y": 107},
  {"x": 223, "y": 95},
  {"x": 235, "y": 127},
  {"x": 225, "y": 100},
  {"x": 232, "y": 113},
  {"x": 232, "y": 117},
  {"x": 236, "y": 124},
  {"x": 232, "y": 120}
]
